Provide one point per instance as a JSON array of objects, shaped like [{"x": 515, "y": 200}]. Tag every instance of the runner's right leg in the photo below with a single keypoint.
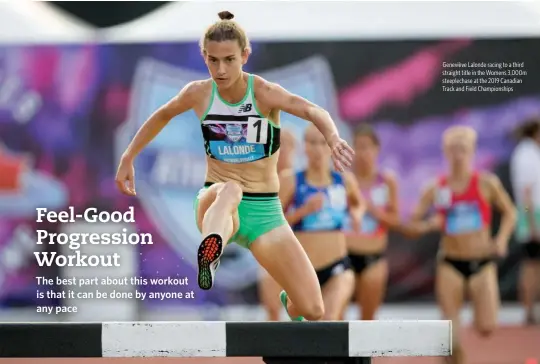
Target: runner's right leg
[{"x": 217, "y": 219}]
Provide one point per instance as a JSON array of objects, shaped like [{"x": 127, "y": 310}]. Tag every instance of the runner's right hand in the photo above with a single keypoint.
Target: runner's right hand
[{"x": 125, "y": 177}]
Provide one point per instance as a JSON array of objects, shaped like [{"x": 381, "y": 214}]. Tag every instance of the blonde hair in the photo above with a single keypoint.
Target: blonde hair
[{"x": 460, "y": 132}]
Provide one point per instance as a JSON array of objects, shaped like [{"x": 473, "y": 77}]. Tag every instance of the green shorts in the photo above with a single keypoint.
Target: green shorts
[{"x": 258, "y": 212}]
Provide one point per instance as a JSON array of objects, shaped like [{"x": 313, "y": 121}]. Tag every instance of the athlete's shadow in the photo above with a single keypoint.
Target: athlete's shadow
[{"x": 317, "y": 361}]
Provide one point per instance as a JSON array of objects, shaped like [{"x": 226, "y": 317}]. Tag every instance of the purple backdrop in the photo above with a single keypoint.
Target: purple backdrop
[{"x": 67, "y": 111}]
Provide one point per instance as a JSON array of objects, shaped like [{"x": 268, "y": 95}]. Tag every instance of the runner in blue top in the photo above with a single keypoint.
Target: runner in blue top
[{"x": 318, "y": 202}]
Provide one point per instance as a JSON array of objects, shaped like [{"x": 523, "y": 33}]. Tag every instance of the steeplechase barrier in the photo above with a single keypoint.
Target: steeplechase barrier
[{"x": 276, "y": 342}]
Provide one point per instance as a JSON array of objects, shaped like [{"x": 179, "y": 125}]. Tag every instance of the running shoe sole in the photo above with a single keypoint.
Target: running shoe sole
[{"x": 208, "y": 256}]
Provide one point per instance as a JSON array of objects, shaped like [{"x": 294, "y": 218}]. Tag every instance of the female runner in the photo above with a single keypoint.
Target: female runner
[
  {"x": 366, "y": 249},
  {"x": 467, "y": 258},
  {"x": 239, "y": 202},
  {"x": 317, "y": 201}
]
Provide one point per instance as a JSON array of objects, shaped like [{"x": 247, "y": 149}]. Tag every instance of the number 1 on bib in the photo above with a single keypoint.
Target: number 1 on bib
[{"x": 257, "y": 130}]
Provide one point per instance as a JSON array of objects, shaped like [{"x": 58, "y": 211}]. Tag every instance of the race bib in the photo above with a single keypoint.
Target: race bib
[{"x": 463, "y": 218}]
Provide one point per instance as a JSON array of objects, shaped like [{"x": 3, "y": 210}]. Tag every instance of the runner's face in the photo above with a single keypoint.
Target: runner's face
[
  {"x": 459, "y": 152},
  {"x": 317, "y": 150},
  {"x": 224, "y": 60},
  {"x": 366, "y": 151}
]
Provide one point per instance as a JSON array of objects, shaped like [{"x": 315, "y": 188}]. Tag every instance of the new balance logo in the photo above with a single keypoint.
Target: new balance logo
[{"x": 244, "y": 108}]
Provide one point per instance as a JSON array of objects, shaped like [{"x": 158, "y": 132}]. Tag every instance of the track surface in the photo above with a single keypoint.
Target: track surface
[{"x": 509, "y": 345}]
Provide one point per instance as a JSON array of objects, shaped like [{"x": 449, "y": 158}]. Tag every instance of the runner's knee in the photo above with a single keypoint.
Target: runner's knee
[{"x": 312, "y": 310}]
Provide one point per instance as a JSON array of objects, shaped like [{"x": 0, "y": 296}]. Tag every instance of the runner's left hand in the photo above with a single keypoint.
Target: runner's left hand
[{"x": 342, "y": 153}]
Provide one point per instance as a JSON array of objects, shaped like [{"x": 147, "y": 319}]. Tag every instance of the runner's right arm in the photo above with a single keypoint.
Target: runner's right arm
[{"x": 182, "y": 102}]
